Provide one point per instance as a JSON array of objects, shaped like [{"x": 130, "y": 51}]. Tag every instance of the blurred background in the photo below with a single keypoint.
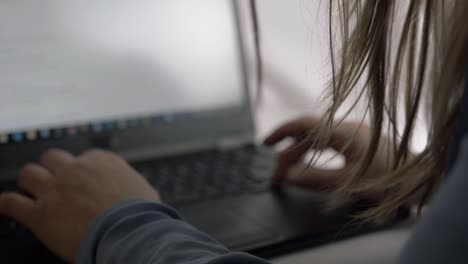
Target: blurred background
[
  {"x": 296, "y": 56},
  {"x": 296, "y": 60}
]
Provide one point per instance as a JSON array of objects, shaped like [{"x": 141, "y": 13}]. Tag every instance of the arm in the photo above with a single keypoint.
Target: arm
[{"x": 138, "y": 231}]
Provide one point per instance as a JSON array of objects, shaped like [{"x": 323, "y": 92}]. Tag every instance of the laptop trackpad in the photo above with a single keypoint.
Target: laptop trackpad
[{"x": 229, "y": 227}]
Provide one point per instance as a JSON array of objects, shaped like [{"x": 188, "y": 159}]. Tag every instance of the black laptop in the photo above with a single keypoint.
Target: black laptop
[{"x": 163, "y": 83}]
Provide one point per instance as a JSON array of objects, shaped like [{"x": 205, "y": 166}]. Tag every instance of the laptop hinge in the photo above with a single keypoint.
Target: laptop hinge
[{"x": 225, "y": 143}]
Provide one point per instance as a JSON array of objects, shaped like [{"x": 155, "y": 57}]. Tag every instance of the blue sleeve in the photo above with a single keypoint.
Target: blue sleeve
[
  {"x": 138, "y": 231},
  {"x": 442, "y": 234}
]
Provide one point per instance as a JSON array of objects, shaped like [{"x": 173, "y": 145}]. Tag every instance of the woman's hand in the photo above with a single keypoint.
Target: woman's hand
[
  {"x": 68, "y": 193},
  {"x": 291, "y": 170}
]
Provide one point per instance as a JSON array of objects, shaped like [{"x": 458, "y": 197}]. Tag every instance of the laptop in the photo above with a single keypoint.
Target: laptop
[{"x": 164, "y": 84}]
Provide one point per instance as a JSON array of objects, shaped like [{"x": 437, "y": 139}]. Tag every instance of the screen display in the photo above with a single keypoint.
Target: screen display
[{"x": 97, "y": 64}]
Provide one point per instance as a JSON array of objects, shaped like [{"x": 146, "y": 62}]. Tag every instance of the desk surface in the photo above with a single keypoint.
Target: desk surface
[{"x": 382, "y": 248}]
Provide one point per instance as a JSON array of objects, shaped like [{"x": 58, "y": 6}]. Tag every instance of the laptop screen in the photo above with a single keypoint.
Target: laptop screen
[{"x": 71, "y": 67}]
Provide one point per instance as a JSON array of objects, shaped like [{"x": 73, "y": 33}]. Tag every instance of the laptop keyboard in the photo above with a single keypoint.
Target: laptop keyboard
[
  {"x": 210, "y": 175},
  {"x": 193, "y": 178}
]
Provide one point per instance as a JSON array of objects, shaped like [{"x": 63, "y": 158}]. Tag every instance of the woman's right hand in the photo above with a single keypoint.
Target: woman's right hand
[{"x": 290, "y": 169}]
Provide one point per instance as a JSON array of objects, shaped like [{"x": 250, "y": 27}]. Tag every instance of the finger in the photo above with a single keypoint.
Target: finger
[
  {"x": 34, "y": 179},
  {"x": 288, "y": 158},
  {"x": 94, "y": 155},
  {"x": 297, "y": 129},
  {"x": 18, "y": 207},
  {"x": 345, "y": 139},
  {"x": 54, "y": 159}
]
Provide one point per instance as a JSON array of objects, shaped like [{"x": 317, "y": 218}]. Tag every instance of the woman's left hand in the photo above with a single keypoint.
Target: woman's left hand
[{"x": 67, "y": 194}]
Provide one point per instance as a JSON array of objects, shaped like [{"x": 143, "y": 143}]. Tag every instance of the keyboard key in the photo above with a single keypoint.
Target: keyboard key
[
  {"x": 8, "y": 187},
  {"x": 209, "y": 175},
  {"x": 7, "y": 227}
]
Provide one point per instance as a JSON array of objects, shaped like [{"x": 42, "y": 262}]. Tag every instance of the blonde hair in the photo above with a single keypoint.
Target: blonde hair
[{"x": 430, "y": 59}]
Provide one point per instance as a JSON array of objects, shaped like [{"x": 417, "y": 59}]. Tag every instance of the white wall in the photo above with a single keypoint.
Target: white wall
[{"x": 296, "y": 58}]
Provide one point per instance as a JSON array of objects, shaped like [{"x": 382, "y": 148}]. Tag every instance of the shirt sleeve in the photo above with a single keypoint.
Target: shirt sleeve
[
  {"x": 442, "y": 234},
  {"x": 138, "y": 231}
]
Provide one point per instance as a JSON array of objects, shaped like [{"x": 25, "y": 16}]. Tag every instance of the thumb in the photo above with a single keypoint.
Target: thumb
[
  {"x": 17, "y": 207},
  {"x": 299, "y": 129}
]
